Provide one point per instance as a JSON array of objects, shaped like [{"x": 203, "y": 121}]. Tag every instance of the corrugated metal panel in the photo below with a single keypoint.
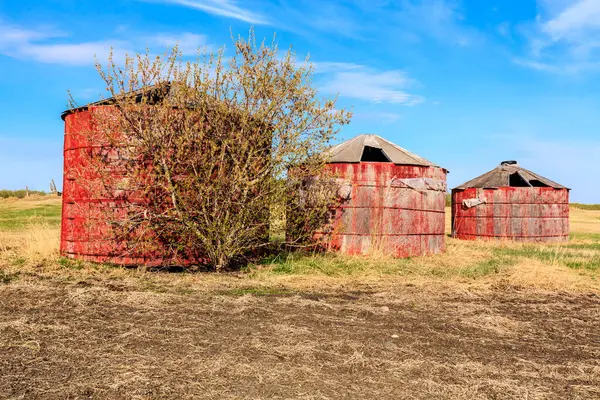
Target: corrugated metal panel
[
  {"x": 392, "y": 209},
  {"x": 525, "y": 214},
  {"x": 87, "y": 209}
]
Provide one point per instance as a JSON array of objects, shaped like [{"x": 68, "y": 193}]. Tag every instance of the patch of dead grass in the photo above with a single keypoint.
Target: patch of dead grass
[
  {"x": 37, "y": 244},
  {"x": 30, "y": 202},
  {"x": 535, "y": 274},
  {"x": 585, "y": 221},
  {"x": 496, "y": 324}
]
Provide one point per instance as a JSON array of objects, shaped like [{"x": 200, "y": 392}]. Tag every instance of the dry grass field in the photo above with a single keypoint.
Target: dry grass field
[{"x": 482, "y": 321}]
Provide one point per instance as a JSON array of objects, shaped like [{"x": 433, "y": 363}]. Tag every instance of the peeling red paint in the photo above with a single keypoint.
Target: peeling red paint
[
  {"x": 516, "y": 213},
  {"x": 383, "y": 215},
  {"x": 85, "y": 230},
  {"x": 87, "y": 208}
]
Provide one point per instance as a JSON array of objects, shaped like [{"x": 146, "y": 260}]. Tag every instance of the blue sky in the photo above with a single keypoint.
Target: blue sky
[{"x": 465, "y": 84}]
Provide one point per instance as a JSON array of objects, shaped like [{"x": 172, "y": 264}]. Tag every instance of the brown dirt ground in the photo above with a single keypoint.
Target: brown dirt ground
[{"x": 85, "y": 340}]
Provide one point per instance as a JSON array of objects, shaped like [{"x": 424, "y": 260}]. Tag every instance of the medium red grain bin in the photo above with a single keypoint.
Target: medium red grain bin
[
  {"x": 513, "y": 203},
  {"x": 393, "y": 200}
]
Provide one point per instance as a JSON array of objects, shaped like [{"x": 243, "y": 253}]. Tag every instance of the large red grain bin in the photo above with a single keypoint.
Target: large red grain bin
[
  {"x": 91, "y": 208},
  {"x": 510, "y": 202},
  {"x": 393, "y": 200}
]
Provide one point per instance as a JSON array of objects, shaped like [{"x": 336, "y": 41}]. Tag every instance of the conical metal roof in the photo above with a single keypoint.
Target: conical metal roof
[
  {"x": 353, "y": 150},
  {"x": 510, "y": 174}
]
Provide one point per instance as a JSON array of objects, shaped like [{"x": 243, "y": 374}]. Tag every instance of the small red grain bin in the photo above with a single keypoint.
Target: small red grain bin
[{"x": 510, "y": 202}]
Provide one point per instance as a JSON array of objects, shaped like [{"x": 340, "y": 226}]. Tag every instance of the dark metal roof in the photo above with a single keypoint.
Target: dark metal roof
[
  {"x": 501, "y": 177},
  {"x": 154, "y": 94},
  {"x": 351, "y": 151}
]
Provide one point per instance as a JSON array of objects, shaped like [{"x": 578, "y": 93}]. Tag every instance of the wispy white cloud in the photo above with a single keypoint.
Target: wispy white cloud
[
  {"x": 332, "y": 66},
  {"x": 314, "y": 17},
  {"x": 223, "y": 8},
  {"x": 363, "y": 83},
  {"x": 576, "y": 19},
  {"x": 46, "y": 45},
  {"x": 76, "y": 54},
  {"x": 52, "y": 47},
  {"x": 558, "y": 67},
  {"x": 13, "y": 36},
  {"x": 40, "y": 48},
  {"x": 408, "y": 21},
  {"x": 565, "y": 37}
]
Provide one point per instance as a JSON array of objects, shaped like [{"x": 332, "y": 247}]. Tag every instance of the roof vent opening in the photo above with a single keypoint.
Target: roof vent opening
[
  {"x": 516, "y": 180},
  {"x": 537, "y": 183},
  {"x": 373, "y": 154},
  {"x": 509, "y": 162}
]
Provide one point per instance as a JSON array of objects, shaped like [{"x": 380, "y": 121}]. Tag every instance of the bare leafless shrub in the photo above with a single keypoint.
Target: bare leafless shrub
[{"x": 195, "y": 154}]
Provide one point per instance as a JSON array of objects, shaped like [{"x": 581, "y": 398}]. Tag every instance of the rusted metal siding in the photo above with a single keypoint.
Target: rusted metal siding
[
  {"x": 392, "y": 209},
  {"x": 514, "y": 213},
  {"x": 84, "y": 227},
  {"x": 87, "y": 208}
]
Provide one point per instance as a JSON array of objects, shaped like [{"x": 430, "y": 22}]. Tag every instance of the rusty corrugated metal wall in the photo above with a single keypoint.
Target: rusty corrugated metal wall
[
  {"x": 85, "y": 229},
  {"x": 392, "y": 209},
  {"x": 515, "y": 213},
  {"x": 89, "y": 208}
]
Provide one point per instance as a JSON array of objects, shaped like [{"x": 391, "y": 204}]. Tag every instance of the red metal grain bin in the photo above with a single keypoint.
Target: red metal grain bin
[
  {"x": 91, "y": 208},
  {"x": 393, "y": 200},
  {"x": 511, "y": 203}
]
